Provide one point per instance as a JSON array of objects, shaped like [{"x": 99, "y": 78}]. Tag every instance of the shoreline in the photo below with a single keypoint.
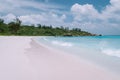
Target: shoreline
[
  {"x": 29, "y": 60},
  {"x": 73, "y": 55}
]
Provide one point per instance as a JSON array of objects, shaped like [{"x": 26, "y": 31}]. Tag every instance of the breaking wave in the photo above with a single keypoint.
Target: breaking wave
[
  {"x": 45, "y": 39},
  {"x": 112, "y": 52},
  {"x": 60, "y": 43}
]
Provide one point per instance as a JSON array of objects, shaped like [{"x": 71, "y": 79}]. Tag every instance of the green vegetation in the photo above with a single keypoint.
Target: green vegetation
[{"x": 15, "y": 28}]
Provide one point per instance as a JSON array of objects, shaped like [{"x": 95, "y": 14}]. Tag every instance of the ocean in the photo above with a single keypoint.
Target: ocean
[{"x": 101, "y": 50}]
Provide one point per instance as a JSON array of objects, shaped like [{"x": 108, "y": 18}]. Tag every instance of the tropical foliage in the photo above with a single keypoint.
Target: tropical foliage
[{"x": 15, "y": 28}]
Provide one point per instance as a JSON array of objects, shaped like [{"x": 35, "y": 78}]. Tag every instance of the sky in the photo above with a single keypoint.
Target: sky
[{"x": 95, "y": 16}]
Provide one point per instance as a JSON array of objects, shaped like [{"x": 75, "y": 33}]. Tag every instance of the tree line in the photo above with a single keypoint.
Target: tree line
[{"x": 16, "y": 28}]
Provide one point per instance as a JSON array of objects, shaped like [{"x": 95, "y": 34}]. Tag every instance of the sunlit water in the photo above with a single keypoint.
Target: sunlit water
[{"x": 101, "y": 50}]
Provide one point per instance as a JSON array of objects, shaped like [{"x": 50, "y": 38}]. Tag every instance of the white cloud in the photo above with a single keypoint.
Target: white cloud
[
  {"x": 19, "y": 7},
  {"x": 83, "y": 12},
  {"x": 44, "y": 18},
  {"x": 107, "y": 21},
  {"x": 8, "y": 18},
  {"x": 112, "y": 11}
]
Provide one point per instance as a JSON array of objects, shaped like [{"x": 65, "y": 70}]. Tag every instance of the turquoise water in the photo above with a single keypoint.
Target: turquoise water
[{"x": 101, "y": 50}]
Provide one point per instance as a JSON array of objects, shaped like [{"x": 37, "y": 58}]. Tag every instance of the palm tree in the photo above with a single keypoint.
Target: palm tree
[{"x": 14, "y": 26}]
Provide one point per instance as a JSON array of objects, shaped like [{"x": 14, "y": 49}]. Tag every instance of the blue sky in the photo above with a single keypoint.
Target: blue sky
[
  {"x": 99, "y": 4},
  {"x": 96, "y": 16}
]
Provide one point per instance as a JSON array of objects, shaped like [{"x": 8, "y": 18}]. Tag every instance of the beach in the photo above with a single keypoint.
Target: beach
[{"x": 22, "y": 58}]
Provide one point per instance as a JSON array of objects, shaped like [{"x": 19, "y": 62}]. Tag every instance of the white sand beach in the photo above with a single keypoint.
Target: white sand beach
[{"x": 21, "y": 58}]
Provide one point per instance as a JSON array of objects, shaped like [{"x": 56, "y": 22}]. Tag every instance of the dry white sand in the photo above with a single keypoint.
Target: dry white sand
[{"x": 21, "y": 58}]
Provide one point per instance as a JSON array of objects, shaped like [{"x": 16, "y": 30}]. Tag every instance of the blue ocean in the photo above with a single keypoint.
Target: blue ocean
[{"x": 101, "y": 50}]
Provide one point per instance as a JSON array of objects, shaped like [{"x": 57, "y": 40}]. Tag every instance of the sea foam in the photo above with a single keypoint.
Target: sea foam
[
  {"x": 112, "y": 52},
  {"x": 60, "y": 43}
]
